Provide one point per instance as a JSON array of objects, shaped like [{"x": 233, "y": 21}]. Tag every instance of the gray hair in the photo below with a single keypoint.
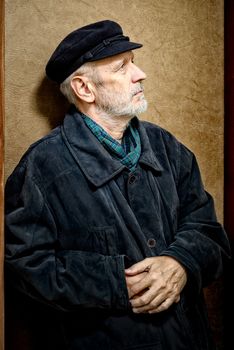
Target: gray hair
[{"x": 88, "y": 69}]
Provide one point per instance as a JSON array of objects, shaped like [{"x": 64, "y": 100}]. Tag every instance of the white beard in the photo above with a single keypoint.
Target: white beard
[{"x": 119, "y": 104}]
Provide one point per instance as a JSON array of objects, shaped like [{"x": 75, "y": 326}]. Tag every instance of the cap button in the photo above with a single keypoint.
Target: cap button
[
  {"x": 88, "y": 55},
  {"x": 106, "y": 42}
]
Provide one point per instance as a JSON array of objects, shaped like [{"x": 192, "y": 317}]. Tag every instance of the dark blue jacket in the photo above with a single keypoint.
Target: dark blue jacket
[{"x": 75, "y": 218}]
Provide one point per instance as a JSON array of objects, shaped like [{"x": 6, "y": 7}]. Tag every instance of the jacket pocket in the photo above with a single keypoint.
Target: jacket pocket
[
  {"x": 103, "y": 240},
  {"x": 194, "y": 320}
]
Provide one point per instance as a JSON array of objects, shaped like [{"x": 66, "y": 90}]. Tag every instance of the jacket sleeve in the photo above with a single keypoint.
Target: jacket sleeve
[
  {"x": 200, "y": 242},
  {"x": 65, "y": 279}
]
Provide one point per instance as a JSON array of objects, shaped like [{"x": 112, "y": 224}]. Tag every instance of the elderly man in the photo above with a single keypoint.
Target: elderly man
[{"x": 108, "y": 226}]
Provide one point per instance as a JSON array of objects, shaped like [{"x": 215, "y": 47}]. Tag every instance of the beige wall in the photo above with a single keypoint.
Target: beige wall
[{"x": 182, "y": 56}]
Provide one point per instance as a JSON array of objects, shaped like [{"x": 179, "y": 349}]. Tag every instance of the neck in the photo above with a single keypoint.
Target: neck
[{"x": 114, "y": 126}]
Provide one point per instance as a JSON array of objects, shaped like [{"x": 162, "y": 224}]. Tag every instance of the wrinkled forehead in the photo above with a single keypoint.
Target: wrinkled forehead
[{"x": 110, "y": 62}]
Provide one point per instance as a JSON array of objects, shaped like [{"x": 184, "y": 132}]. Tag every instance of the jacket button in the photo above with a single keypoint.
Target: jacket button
[
  {"x": 132, "y": 179},
  {"x": 151, "y": 242}
]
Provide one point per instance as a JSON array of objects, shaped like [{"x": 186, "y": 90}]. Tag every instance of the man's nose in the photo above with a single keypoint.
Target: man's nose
[{"x": 137, "y": 74}]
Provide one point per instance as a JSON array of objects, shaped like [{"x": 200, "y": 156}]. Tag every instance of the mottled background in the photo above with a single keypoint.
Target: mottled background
[{"x": 182, "y": 57}]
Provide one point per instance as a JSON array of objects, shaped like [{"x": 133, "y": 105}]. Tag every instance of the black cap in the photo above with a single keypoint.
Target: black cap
[{"x": 90, "y": 43}]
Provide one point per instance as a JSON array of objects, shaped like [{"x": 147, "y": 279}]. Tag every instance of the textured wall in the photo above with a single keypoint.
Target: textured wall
[{"x": 182, "y": 57}]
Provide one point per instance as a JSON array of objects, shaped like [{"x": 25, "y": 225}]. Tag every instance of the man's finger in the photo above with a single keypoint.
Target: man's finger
[{"x": 142, "y": 266}]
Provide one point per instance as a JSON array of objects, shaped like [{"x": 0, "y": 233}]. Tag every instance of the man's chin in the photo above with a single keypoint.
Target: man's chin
[{"x": 142, "y": 107}]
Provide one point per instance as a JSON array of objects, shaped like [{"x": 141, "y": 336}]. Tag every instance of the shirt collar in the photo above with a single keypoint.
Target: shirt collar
[{"x": 94, "y": 160}]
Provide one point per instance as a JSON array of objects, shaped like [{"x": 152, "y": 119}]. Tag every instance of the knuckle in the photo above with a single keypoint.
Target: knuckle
[
  {"x": 134, "y": 290},
  {"x": 154, "y": 303},
  {"x": 142, "y": 300},
  {"x": 154, "y": 276}
]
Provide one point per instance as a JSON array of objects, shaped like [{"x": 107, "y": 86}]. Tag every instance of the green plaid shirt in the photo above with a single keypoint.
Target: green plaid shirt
[{"x": 128, "y": 153}]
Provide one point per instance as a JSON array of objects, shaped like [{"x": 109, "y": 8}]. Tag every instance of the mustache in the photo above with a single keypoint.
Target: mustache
[{"x": 139, "y": 88}]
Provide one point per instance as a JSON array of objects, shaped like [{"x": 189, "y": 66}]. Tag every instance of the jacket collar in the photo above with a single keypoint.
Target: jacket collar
[{"x": 94, "y": 160}]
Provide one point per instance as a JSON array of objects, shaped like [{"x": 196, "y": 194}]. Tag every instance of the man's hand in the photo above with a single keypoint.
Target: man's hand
[{"x": 154, "y": 284}]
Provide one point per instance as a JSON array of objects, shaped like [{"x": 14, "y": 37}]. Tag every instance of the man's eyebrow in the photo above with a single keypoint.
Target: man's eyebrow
[
  {"x": 122, "y": 60},
  {"x": 129, "y": 56},
  {"x": 115, "y": 65}
]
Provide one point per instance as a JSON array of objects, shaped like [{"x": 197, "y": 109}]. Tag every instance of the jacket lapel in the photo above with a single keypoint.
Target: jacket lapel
[{"x": 93, "y": 159}]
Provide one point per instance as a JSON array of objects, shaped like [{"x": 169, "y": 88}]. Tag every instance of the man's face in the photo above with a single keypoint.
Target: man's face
[{"x": 119, "y": 91}]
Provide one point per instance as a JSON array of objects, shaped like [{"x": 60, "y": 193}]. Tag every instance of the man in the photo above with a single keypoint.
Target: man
[{"x": 108, "y": 226}]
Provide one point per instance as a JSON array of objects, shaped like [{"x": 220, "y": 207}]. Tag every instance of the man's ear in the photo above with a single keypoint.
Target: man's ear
[{"x": 83, "y": 89}]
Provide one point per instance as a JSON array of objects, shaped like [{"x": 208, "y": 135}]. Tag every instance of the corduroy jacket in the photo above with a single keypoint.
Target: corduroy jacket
[{"x": 76, "y": 218}]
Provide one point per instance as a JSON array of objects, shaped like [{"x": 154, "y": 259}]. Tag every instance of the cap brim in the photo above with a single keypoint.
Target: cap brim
[{"x": 115, "y": 49}]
